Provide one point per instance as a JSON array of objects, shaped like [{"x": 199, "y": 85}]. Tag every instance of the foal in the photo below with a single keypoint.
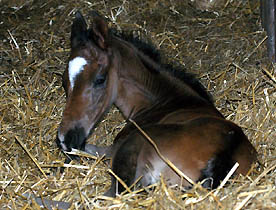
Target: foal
[{"x": 172, "y": 108}]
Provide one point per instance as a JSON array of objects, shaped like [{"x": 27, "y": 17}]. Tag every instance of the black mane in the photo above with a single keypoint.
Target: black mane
[
  {"x": 146, "y": 47},
  {"x": 175, "y": 70}
]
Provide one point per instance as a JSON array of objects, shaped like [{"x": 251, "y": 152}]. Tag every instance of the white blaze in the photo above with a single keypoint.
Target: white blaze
[{"x": 75, "y": 67}]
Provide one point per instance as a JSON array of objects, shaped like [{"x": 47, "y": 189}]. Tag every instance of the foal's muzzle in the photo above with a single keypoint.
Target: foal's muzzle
[{"x": 74, "y": 138}]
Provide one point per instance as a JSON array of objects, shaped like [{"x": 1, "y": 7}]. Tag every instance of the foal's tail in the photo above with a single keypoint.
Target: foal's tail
[{"x": 99, "y": 151}]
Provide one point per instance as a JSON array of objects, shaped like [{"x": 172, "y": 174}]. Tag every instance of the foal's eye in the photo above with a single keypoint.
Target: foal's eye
[{"x": 99, "y": 81}]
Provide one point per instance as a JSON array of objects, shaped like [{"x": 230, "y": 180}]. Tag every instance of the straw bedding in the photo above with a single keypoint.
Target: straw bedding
[{"x": 224, "y": 48}]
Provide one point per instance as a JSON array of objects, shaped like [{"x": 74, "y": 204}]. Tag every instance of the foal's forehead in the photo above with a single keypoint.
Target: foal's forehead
[{"x": 76, "y": 66}]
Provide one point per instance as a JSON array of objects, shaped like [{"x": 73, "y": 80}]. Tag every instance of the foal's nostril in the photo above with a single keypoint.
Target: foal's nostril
[{"x": 74, "y": 138}]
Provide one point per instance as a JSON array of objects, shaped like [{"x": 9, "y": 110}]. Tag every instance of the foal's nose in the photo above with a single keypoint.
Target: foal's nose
[{"x": 73, "y": 138}]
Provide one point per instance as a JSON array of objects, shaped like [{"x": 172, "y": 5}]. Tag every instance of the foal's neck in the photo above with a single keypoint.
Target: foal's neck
[{"x": 143, "y": 85}]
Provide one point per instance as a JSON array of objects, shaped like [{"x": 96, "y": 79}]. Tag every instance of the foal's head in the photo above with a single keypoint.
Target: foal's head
[{"x": 89, "y": 82}]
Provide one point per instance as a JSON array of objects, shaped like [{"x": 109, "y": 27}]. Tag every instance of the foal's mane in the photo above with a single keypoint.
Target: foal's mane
[{"x": 175, "y": 70}]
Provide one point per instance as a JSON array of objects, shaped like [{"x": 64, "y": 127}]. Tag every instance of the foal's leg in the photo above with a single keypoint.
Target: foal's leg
[
  {"x": 99, "y": 151},
  {"x": 49, "y": 204}
]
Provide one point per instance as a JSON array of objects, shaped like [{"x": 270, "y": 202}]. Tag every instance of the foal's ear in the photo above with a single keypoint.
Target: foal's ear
[
  {"x": 99, "y": 31},
  {"x": 79, "y": 29}
]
